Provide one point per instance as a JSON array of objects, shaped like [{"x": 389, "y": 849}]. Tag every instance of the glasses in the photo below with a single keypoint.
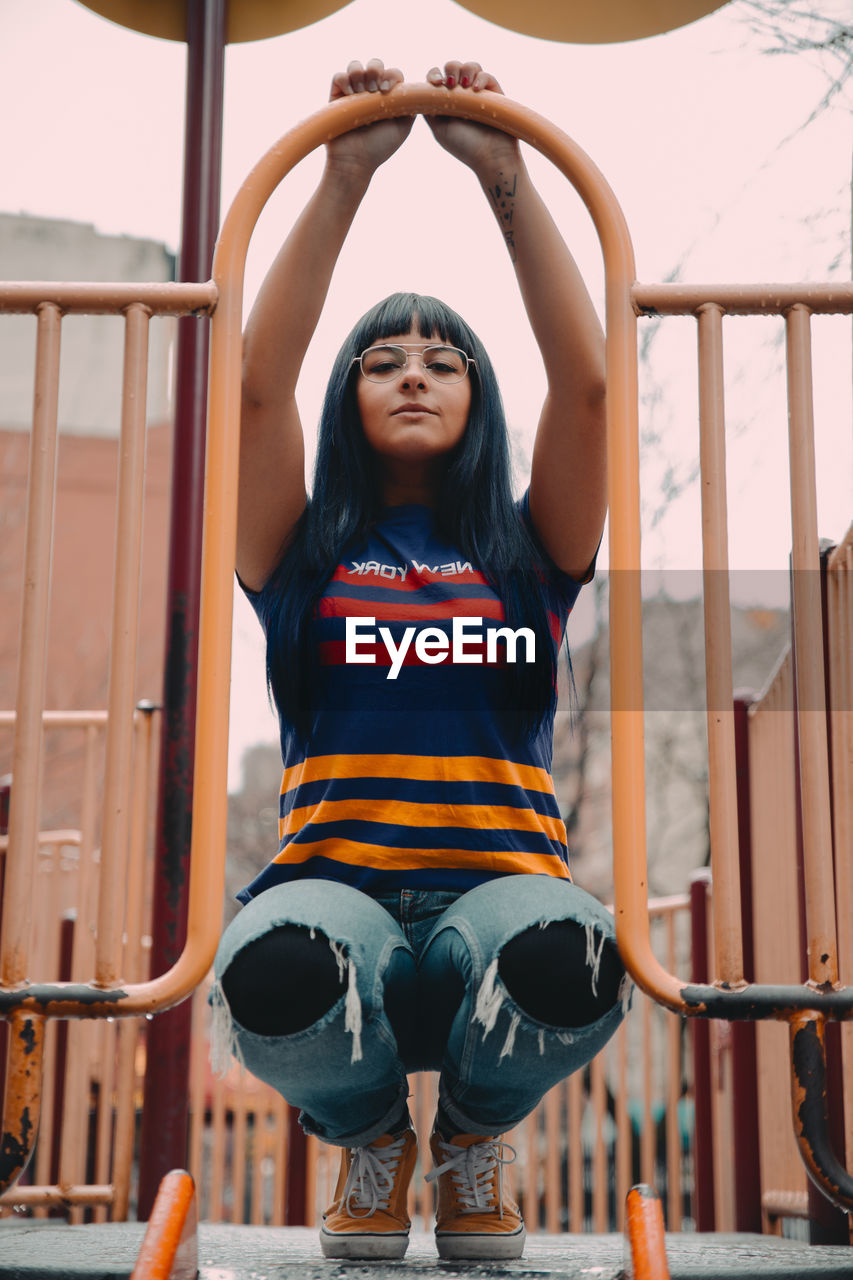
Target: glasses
[{"x": 442, "y": 363}]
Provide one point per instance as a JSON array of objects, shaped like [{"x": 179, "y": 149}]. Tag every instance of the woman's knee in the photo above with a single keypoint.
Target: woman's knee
[
  {"x": 284, "y": 981},
  {"x": 563, "y": 973}
]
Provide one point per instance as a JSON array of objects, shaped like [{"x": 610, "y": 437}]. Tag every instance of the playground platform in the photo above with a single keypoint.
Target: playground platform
[{"x": 44, "y": 1250}]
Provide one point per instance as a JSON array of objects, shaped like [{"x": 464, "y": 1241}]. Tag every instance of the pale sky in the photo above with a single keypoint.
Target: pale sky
[{"x": 689, "y": 129}]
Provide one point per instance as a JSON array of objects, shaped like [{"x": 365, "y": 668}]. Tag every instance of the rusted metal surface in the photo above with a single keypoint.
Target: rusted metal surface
[
  {"x": 811, "y": 1122},
  {"x": 22, "y": 1099},
  {"x": 758, "y": 1001}
]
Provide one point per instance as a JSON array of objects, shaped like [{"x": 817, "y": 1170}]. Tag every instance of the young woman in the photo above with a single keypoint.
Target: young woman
[{"x": 419, "y": 914}]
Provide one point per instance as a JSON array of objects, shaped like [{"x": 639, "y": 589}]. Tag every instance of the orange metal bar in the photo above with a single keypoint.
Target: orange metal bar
[
  {"x": 170, "y": 1247},
  {"x": 120, "y": 702},
  {"x": 553, "y": 1160},
  {"x": 722, "y": 784},
  {"x": 136, "y": 924},
  {"x": 98, "y": 298},
  {"x": 742, "y": 299},
  {"x": 576, "y": 1186},
  {"x": 600, "y": 1181},
  {"x": 624, "y": 1132},
  {"x": 808, "y": 652},
  {"x": 89, "y": 1196},
  {"x": 646, "y": 1255},
  {"x": 32, "y": 653}
]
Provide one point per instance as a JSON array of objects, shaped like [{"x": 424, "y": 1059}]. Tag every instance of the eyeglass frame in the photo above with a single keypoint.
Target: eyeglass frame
[{"x": 404, "y": 347}]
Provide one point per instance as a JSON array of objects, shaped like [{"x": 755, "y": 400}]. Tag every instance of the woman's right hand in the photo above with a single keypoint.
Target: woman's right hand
[{"x": 369, "y": 147}]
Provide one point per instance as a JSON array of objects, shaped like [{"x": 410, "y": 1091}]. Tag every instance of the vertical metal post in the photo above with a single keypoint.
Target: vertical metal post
[
  {"x": 704, "y": 1211},
  {"x": 722, "y": 790},
  {"x": 295, "y": 1189},
  {"x": 828, "y": 1224},
  {"x": 164, "y": 1137},
  {"x": 744, "y": 1051},
  {"x": 5, "y": 795}
]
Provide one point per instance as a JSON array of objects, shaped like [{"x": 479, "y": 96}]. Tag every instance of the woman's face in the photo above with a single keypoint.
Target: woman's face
[{"x": 412, "y": 418}]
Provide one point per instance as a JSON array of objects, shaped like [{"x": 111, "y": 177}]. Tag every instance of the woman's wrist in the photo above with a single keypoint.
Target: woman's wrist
[
  {"x": 347, "y": 176},
  {"x": 500, "y": 160}
]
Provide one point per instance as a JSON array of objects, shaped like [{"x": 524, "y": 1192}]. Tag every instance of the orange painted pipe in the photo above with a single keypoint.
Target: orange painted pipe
[
  {"x": 628, "y": 762},
  {"x": 646, "y": 1251},
  {"x": 170, "y": 1245}
]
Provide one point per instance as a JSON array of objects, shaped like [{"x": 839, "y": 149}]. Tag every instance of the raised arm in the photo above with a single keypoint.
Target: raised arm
[
  {"x": 282, "y": 323},
  {"x": 568, "y": 484}
]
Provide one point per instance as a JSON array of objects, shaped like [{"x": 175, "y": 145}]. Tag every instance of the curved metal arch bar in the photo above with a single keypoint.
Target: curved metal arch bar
[
  {"x": 622, "y": 427},
  {"x": 209, "y": 818}
]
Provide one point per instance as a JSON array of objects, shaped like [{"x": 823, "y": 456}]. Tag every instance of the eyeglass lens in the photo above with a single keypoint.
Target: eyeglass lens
[{"x": 445, "y": 364}]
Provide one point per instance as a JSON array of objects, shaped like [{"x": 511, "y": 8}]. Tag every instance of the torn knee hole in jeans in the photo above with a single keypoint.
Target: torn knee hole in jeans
[
  {"x": 224, "y": 1041},
  {"x": 543, "y": 995}
]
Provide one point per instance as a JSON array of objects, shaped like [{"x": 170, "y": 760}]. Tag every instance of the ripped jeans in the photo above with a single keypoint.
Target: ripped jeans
[{"x": 431, "y": 961}]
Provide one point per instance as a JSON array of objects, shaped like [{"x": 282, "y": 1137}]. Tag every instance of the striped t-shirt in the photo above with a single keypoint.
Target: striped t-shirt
[{"x": 411, "y": 779}]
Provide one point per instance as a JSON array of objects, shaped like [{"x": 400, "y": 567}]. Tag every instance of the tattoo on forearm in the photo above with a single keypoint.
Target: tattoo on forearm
[{"x": 503, "y": 198}]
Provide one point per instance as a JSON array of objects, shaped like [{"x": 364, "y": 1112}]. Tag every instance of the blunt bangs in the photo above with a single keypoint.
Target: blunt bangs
[{"x": 430, "y": 317}]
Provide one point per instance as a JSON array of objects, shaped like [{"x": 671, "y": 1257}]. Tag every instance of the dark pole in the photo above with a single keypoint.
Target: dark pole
[
  {"x": 704, "y": 1209},
  {"x": 747, "y": 1155},
  {"x": 165, "y": 1113},
  {"x": 827, "y": 1223}
]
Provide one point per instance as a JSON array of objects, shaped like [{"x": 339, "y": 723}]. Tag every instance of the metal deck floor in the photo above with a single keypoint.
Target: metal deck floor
[{"x": 43, "y": 1250}]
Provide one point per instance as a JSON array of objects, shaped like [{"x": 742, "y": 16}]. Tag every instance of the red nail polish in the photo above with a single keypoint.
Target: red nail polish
[
  {"x": 464, "y": 82},
  {"x": 450, "y": 81}
]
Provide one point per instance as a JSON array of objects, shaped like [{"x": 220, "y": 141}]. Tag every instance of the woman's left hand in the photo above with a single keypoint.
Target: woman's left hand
[{"x": 477, "y": 145}]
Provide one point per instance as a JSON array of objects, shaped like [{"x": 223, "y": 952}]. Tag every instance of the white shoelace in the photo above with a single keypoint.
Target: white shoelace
[
  {"x": 370, "y": 1180},
  {"x": 473, "y": 1171}
]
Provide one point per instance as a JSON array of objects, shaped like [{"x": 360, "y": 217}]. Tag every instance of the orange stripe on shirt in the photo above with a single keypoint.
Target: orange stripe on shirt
[
  {"x": 381, "y": 857},
  {"x": 407, "y": 813},
  {"x": 418, "y": 768}
]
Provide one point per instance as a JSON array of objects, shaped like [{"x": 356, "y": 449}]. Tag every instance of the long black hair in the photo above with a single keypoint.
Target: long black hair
[{"x": 474, "y": 510}]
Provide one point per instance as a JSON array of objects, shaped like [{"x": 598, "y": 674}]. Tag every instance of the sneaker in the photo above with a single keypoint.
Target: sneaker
[
  {"x": 368, "y": 1217},
  {"x": 476, "y": 1216}
]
